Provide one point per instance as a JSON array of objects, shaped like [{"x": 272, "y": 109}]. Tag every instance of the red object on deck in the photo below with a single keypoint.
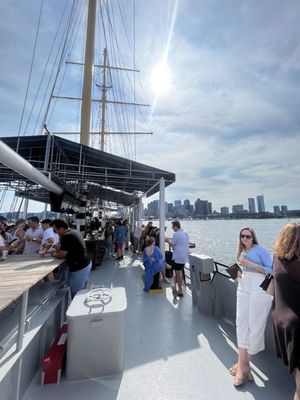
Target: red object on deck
[{"x": 54, "y": 359}]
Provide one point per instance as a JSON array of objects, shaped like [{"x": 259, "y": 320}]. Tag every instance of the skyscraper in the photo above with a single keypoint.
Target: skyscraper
[
  {"x": 251, "y": 204},
  {"x": 187, "y": 204},
  {"x": 260, "y": 203}
]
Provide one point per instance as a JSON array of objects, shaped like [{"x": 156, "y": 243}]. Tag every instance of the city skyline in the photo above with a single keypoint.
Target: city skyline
[{"x": 253, "y": 202}]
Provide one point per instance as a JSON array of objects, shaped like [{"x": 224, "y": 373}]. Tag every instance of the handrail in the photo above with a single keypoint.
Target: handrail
[{"x": 216, "y": 271}]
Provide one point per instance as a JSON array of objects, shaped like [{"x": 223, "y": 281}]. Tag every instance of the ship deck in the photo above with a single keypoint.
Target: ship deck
[{"x": 171, "y": 351}]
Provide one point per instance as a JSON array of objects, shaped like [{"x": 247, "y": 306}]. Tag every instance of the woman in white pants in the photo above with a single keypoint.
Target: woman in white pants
[{"x": 253, "y": 304}]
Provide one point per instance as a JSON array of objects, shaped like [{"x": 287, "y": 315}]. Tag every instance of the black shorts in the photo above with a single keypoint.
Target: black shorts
[{"x": 178, "y": 267}]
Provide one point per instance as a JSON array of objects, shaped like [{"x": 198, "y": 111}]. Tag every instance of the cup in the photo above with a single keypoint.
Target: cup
[{"x": 42, "y": 253}]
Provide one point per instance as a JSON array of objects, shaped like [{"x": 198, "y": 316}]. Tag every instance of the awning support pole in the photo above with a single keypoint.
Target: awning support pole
[{"x": 162, "y": 215}]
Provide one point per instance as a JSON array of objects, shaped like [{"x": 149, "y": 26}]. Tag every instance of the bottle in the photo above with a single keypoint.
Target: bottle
[{"x": 4, "y": 254}]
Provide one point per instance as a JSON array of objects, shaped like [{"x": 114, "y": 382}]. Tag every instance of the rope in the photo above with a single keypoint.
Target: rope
[
  {"x": 41, "y": 80},
  {"x": 31, "y": 66},
  {"x": 68, "y": 33}
]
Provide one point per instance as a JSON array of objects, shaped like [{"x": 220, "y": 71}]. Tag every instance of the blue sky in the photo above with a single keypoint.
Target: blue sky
[{"x": 229, "y": 125}]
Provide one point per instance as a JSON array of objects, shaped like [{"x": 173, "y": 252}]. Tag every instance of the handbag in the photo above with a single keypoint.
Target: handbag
[
  {"x": 268, "y": 284},
  {"x": 233, "y": 270}
]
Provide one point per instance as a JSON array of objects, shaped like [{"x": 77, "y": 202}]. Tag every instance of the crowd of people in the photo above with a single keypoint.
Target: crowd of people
[
  {"x": 253, "y": 303},
  {"x": 55, "y": 237}
]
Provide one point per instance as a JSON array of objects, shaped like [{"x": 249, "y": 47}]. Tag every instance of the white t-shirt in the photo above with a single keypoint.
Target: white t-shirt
[
  {"x": 49, "y": 234},
  {"x": 180, "y": 246}
]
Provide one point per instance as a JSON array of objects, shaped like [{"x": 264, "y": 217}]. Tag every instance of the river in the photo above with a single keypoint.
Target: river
[{"x": 218, "y": 238}]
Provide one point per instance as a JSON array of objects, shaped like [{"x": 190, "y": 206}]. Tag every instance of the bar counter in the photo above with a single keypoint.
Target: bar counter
[{"x": 18, "y": 273}]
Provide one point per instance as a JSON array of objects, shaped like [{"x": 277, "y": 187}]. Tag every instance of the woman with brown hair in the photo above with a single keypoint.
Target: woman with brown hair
[
  {"x": 286, "y": 308},
  {"x": 253, "y": 304}
]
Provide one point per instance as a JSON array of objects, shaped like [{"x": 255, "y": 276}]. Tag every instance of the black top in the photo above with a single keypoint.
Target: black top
[
  {"x": 77, "y": 257},
  {"x": 286, "y": 311}
]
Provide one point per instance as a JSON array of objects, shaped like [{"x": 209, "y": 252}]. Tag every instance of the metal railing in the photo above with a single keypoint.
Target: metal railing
[{"x": 217, "y": 267}]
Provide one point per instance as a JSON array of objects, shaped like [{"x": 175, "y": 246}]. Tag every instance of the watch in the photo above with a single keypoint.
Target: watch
[{"x": 34, "y": 239}]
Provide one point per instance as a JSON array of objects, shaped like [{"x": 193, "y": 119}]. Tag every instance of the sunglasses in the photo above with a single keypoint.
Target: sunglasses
[{"x": 246, "y": 236}]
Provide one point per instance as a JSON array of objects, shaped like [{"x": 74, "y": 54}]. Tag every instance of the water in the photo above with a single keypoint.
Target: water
[{"x": 219, "y": 238}]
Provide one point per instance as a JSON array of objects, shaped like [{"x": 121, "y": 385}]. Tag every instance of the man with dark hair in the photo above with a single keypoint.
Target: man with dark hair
[
  {"x": 73, "y": 250},
  {"x": 50, "y": 238},
  {"x": 33, "y": 236},
  {"x": 180, "y": 246}
]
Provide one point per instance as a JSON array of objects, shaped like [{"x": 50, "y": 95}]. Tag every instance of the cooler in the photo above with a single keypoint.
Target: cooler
[{"x": 95, "y": 344}]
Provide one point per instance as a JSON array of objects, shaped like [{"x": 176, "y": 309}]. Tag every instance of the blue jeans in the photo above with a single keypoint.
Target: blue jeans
[{"x": 75, "y": 280}]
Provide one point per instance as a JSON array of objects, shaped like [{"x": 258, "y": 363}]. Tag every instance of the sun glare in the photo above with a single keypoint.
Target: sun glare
[{"x": 161, "y": 78}]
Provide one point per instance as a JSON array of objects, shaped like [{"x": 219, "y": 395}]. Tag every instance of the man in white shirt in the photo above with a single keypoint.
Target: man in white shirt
[
  {"x": 50, "y": 237},
  {"x": 180, "y": 246},
  {"x": 33, "y": 236}
]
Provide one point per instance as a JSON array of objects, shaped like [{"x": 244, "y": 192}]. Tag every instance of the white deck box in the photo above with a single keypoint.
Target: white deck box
[{"x": 96, "y": 333}]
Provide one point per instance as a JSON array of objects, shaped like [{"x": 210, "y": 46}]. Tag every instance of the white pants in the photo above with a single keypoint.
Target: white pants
[{"x": 252, "y": 310}]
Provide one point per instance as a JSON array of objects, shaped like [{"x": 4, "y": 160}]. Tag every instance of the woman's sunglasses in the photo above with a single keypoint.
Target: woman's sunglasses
[{"x": 246, "y": 236}]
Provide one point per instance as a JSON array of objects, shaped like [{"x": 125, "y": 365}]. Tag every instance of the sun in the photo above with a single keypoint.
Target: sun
[{"x": 161, "y": 78}]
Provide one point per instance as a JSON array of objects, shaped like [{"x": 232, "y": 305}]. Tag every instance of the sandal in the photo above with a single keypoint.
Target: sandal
[
  {"x": 233, "y": 369},
  {"x": 240, "y": 378}
]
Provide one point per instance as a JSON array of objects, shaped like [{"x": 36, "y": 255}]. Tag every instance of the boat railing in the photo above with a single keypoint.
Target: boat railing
[{"x": 219, "y": 268}]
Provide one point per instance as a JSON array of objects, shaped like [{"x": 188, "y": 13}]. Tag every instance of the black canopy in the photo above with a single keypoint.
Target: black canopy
[{"x": 84, "y": 173}]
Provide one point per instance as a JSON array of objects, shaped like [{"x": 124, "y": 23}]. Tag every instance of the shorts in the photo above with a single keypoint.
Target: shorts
[
  {"x": 119, "y": 246},
  {"x": 178, "y": 267}
]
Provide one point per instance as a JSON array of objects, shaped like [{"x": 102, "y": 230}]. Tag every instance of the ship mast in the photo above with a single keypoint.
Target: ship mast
[
  {"x": 87, "y": 75},
  {"x": 103, "y": 100},
  {"x": 86, "y": 98}
]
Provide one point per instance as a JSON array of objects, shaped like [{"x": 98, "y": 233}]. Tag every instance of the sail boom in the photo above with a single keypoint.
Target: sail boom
[
  {"x": 106, "y": 133},
  {"x": 97, "y": 100},
  {"x": 107, "y": 67}
]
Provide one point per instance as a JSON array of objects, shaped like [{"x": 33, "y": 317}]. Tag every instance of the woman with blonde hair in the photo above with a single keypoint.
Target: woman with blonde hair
[
  {"x": 253, "y": 304},
  {"x": 286, "y": 308}
]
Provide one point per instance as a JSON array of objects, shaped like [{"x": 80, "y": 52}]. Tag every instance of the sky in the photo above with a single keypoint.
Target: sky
[{"x": 228, "y": 125}]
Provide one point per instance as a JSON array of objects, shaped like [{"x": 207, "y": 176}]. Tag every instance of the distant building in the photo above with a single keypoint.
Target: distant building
[
  {"x": 209, "y": 206},
  {"x": 237, "y": 208},
  {"x": 187, "y": 204},
  {"x": 251, "y": 205},
  {"x": 197, "y": 207},
  {"x": 224, "y": 210},
  {"x": 260, "y": 203},
  {"x": 153, "y": 209},
  {"x": 177, "y": 203},
  {"x": 284, "y": 208},
  {"x": 170, "y": 208},
  {"x": 202, "y": 208},
  {"x": 276, "y": 209}
]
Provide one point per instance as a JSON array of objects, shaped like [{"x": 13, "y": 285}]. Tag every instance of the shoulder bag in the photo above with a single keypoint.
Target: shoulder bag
[{"x": 268, "y": 284}]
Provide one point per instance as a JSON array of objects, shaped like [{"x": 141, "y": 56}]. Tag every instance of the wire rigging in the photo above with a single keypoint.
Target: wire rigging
[{"x": 31, "y": 67}]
